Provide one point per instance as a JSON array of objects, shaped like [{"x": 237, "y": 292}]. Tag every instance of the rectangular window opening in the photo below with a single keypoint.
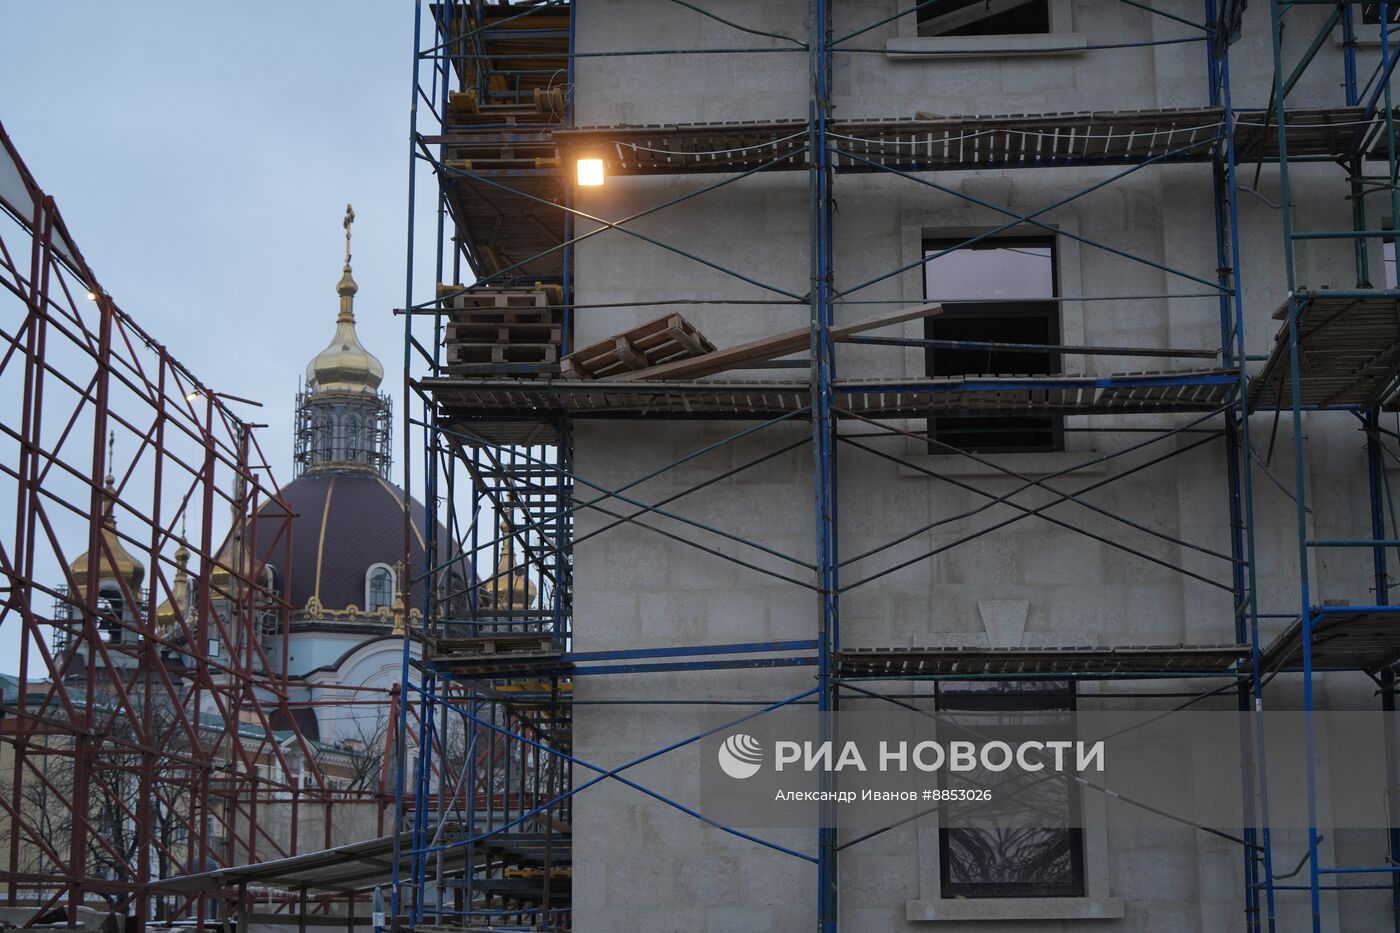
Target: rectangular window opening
[
  {"x": 1371, "y": 13},
  {"x": 1388, "y": 260},
  {"x": 984, "y": 18},
  {"x": 1010, "y": 283},
  {"x": 1036, "y": 849}
]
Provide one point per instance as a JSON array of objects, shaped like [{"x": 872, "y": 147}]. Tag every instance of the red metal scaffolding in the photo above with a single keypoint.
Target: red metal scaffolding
[{"x": 149, "y": 729}]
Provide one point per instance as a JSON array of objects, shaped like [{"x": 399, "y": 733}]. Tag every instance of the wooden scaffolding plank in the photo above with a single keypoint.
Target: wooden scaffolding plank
[{"x": 767, "y": 348}]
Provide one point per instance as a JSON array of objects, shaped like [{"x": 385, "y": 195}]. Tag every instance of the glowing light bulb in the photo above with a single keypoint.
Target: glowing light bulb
[{"x": 590, "y": 173}]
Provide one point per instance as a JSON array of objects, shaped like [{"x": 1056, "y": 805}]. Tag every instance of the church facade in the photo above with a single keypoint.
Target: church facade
[{"x": 341, "y": 567}]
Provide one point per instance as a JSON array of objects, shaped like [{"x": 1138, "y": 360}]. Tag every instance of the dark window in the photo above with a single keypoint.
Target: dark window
[
  {"x": 381, "y": 589},
  {"x": 1029, "y": 846},
  {"x": 112, "y": 610},
  {"x": 984, "y": 17},
  {"x": 1003, "y": 276},
  {"x": 1388, "y": 259},
  {"x": 352, "y": 438},
  {"x": 1371, "y": 13},
  {"x": 325, "y": 432}
]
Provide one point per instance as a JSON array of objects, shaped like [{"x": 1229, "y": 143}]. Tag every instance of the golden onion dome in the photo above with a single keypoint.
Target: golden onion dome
[
  {"x": 510, "y": 587},
  {"x": 179, "y": 587},
  {"x": 345, "y": 365},
  {"x": 120, "y": 565}
]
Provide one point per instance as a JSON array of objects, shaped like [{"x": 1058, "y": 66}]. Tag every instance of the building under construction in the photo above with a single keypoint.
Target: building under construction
[
  {"x": 850, "y": 355},
  {"x": 1015, "y": 354}
]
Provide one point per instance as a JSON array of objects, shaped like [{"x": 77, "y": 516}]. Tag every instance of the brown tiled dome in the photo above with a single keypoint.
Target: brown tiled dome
[{"x": 345, "y": 522}]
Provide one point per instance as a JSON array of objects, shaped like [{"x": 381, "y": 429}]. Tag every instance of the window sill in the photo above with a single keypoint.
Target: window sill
[
  {"x": 1366, "y": 42},
  {"x": 923, "y": 48},
  {"x": 1035, "y": 464},
  {"x": 1015, "y": 908}
]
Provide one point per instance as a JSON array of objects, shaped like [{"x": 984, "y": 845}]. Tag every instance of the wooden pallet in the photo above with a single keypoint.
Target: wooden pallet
[
  {"x": 511, "y": 330},
  {"x": 467, "y": 105},
  {"x": 458, "y": 353},
  {"x": 663, "y": 340},
  {"x": 462, "y": 303},
  {"x": 493, "y": 331},
  {"x": 524, "y": 314},
  {"x": 494, "y": 655},
  {"x": 483, "y": 645}
]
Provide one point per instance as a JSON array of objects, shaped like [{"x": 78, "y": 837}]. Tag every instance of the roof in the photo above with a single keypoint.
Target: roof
[{"x": 344, "y": 523}]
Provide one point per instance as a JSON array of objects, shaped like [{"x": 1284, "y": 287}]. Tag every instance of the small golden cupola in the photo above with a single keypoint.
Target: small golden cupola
[
  {"x": 342, "y": 420},
  {"x": 180, "y": 589},
  {"x": 121, "y": 565},
  {"x": 510, "y": 588},
  {"x": 345, "y": 366}
]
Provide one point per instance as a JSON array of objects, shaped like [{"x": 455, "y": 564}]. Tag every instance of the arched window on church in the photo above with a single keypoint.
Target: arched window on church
[
  {"x": 111, "y": 609},
  {"x": 379, "y": 587},
  {"x": 323, "y": 435},
  {"x": 352, "y": 438}
]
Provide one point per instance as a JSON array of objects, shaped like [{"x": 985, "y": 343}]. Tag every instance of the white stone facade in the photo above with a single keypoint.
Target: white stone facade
[{"x": 642, "y": 866}]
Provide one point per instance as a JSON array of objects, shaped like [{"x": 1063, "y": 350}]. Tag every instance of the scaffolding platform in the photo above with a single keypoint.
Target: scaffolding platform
[
  {"x": 1344, "y": 638},
  {"x": 358, "y": 866},
  {"x": 1348, "y": 353},
  {"x": 521, "y": 891},
  {"x": 928, "y": 142},
  {"x": 1123, "y": 660},
  {"x": 481, "y": 210},
  {"x": 510, "y": 67},
  {"x": 524, "y": 54},
  {"x": 492, "y": 655},
  {"x": 522, "y": 857},
  {"x": 499, "y": 171},
  {"x": 991, "y": 395}
]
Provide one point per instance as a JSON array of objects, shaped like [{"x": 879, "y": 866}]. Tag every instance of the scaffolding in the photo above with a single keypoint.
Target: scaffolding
[
  {"x": 490, "y": 433},
  {"x": 147, "y": 731}
]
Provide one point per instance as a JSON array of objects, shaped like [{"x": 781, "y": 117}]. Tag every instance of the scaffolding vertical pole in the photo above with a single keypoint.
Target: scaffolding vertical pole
[
  {"x": 1355, "y": 165},
  {"x": 149, "y": 762},
  {"x": 423, "y": 786},
  {"x": 823, "y": 427},
  {"x": 1375, "y": 481},
  {"x": 423, "y": 809},
  {"x": 1280, "y": 91},
  {"x": 1241, "y": 575},
  {"x": 201, "y": 812},
  {"x": 1376, "y": 475},
  {"x": 401, "y": 724},
  {"x": 1391, "y": 172},
  {"x": 100, "y": 504},
  {"x": 27, "y": 496},
  {"x": 1258, "y": 851}
]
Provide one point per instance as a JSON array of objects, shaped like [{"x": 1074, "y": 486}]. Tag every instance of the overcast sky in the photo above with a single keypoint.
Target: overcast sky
[{"x": 202, "y": 155}]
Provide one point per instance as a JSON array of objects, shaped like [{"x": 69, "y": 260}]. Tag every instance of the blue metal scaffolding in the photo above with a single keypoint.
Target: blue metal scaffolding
[{"x": 486, "y": 764}]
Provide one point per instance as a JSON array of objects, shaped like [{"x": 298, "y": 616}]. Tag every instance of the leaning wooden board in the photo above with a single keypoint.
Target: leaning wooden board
[{"x": 758, "y": 351}]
